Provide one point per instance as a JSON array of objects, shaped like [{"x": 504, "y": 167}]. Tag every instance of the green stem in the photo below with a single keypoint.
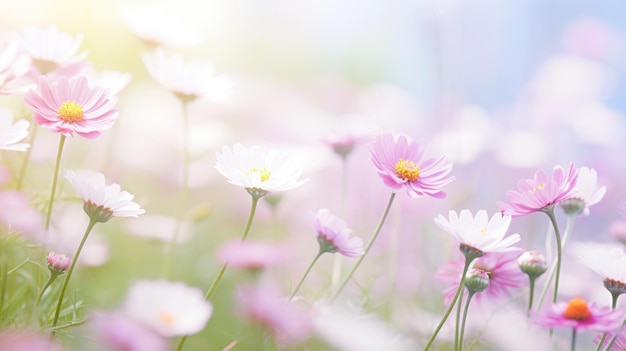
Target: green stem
[
  {"x": 467, "y": 304},
  {"x": 573, "y": 339},
  {"x": 614, "y": 297},
  {"x": 457, "y": 322},
  {"x": 368, "y": 247},
  {"x": 53, "y": 276},
  {"x": 184, "y": 193},
  {"x": 559, "y": 250},
  {"x": 306, "y": 273},
  {"x": 90, "y": 226},
  {"x": 452, "y": 303},
  {"x": 55, "y": 179},
  {"x": 566, "y": 234},
  {"x": 531, "y": 295},
  {"x": 615, "y": 335},
  {"x": 20, "y": 179},
  {"x": 255, "y": 201}
]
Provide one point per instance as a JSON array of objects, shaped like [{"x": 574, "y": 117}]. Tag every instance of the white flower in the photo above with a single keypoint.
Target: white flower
[
  {"x": 188, "y": 79},
  {"x": 156, "y": 28},
  {"x": 587, "y": 188},
  {"x": 169, "y": 308},
  {"x": 480, "y": 232},
  {"x": 608, "y": 262},
  {"x": 11, "y": 133},
  {"x": 258, "y": 170},
  {"x": 91, "y": 187},
  {"x": 51, "y": 49}
]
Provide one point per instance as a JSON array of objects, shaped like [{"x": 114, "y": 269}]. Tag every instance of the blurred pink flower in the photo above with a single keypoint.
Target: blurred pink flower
[
  {"x": 618, "y": 345},
  {"x": 58, "y": 262},
  {"x": 253, "y": 254},
  {"x": 621, "y": 208},
  {"x": 52, "y": 50},
  {"x": 343, "y": 145},
  {"x": 402, "y": 164},
  {"x": 14, "y": 65},
  {"x": 480, "y": 232},
  {"x": 187, "y": 79},
  {"x": 117, "y": 332},
  {"x": 13, "y": 339},
  {"x": 543, "y": 191},
  {"x": 18, "y": 214},
  {"x": 505, "y": 277},
  {"x": 168, "y": 308},
  {"x": 107, "y": 200},
  {"x": 11, "y": 133},
  {"x": 265, "y": 305},
  {"x": 258, "y": 170},
  {"x": 70, "y": 106},
  {"x": 335, "y": 236},
  {"x": 580, "y": 315}
]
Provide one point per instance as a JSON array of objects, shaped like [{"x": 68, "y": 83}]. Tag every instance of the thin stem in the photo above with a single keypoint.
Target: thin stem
[
  {"x": 559, "y": 249},
  {"x": 90, "y": 226},
  {"x": 457, "y": 323},
  {"x": 617, "y": 333},
  {"x": 467, "y": 304},
  {"x": 573, "y": 339},
  {"x": 531, "y": 294},
  {"x": 452, "y": 303},
  {"x": 255, "y": 201},
  {"x": 184, "y": 192},
  {"x": 568, "y": 229},
  {"x": 20, "y": 179},
  {"x": 54, "y": 180},
  {"x": 306, "y": 273},
  {"x": 53, "y": 276},
  {"x": 368, "y": 247},
  {"x": 614, "y": 297}
]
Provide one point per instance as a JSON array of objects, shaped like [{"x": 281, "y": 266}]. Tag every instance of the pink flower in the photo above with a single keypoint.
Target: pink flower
[
  {"x": 505, "y": 277},
  {"x": 58, "y": 262},
  {"x": 537, "y": 194},
  {"x": 253, "y": 254},
  {"x": 335, "y": 236},
  {"x": 480, "y": 232},
  {"x": 70, "y": 106},
  {"x": 11, "y": 133},
  {"x": 17, "y": 214},
  {"x": 117, "y": 332},
  {"x": 618, "y": 345},
  {"x": 580, "y": 315},
  {"x": 102, "y": 200},
  {"x": 11, "y": 339},
  {"x": 343, "y": 144},
  {"x": 402, "y": 164},
  {"x": 621, "y": 208},
  {"x": 265, "y": 305},
  {"x": 52, "y": 50}
]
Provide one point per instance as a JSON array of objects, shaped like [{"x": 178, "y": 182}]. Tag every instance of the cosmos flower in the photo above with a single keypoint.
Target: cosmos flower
[
  {"x": 505, "y": 277},
  {"x": 154, "y": 27},
  {"x": 608, "y": 262},
  {"x": 168, "y": 308},
  {"x": 480, "y": 232},
  {"x": 102, "y": 201},
  {"x": 14, "y": 339},
  {"x": 585, "y": 194},
  {"x": 188, "y": 79},
  {"x": 618, "y": 345},
  {"x": 402, "y": 164},
  {"x": 334, "y": 235},
  {"x": 118, "y": 332},
  {"x": 71, "y": 106},
  {"x": 580, "y": 315},
  {"x": 14, "y": 65},
  {"x": 11, "y": 133},
  {"x": 253, "y": 254},
  {"x": 541, "y": 192},
  {"x": 258, "y": 170},
  {"x": 17, "y": 214},
  {"x": 52, "y": 50},
  {"x": 264, "y": 305},
  {"x": 58, "y": 262}
]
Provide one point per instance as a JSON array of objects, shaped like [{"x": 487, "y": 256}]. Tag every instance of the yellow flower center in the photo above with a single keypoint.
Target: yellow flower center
[
  {"x": 407, "y": 170},
  {"x": 577, "y": 309},
  {"x": 483, "y": 231},
  {"x": 71, "y": 112},
  {"x": 166, "y": 317},
  {"x": 263, "y": 173},
  {"x": 538, "y": 187}
]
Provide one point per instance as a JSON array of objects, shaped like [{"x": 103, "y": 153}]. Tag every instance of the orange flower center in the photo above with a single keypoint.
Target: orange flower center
[
  {"x": 407, "y": 169},
  {"x": 577, "y": 309},
  {"x": 263, "y": 173},
  {"x": 71, "y": 112},
  {"x": 166, "y": 317}
]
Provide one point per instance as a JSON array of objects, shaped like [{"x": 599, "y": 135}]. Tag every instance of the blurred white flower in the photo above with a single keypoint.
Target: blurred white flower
[
  {"x": 169, "y": 308},
  {"x": 154, "y": 27},
  {"x": 11, "y": 133}
]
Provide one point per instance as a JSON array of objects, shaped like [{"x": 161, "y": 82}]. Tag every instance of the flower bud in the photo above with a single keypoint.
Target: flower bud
[
  {"x": 533, "y": 263},
  {"x": 573, "y": 206},
  {"x": 58, "y": 262},
  {"x": 476, "y": 280}
]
